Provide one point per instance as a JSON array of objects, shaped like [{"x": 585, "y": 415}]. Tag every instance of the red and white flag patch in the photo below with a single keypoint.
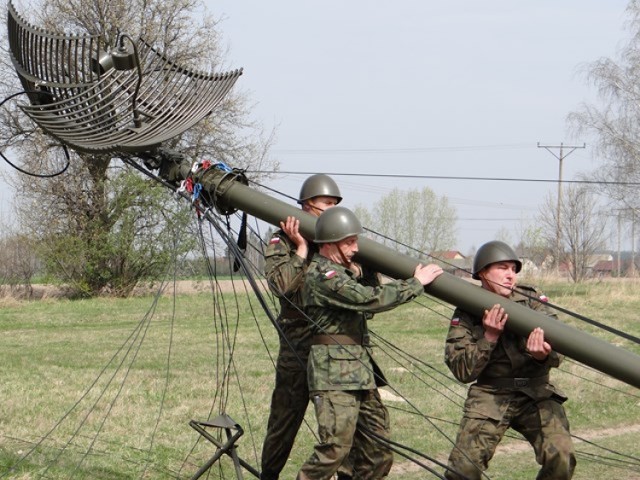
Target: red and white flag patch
[
  {"x": 330, "y": 274},
  {"x": 274, "y": 240},
  {"x": 455, "y": 321},
  {"x": 544, "y": 298}
]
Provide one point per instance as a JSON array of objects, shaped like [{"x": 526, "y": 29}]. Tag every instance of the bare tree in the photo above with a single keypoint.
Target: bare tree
[
  {"x": 582, "y": 231},
  {"x": 613, "y": 122},
  {"x": 18, "y": 263},
  {"x": 533, "y": 244},
  {"x": 100, "y": 226},
  {"x": 504, "y": 234},
  {"x": 417, "y": 219}
]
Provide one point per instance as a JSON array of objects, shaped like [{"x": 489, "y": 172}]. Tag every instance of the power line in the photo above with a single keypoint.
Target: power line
[
  {"x": 333, "y": 151},
  {"x": 450, "y": 177}
]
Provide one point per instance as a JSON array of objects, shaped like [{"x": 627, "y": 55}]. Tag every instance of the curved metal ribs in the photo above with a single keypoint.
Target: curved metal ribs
[{"x": 88, "y": 104}]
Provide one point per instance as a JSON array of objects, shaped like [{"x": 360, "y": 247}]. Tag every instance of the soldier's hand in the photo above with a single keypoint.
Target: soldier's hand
[
  {"x": 356, "y": 269},
  {"x": 292, "y": 228},
  {"x": 536, "y": 346},
  {"x": 427, "y": 273},
  {"x": 493, "y": 322}
]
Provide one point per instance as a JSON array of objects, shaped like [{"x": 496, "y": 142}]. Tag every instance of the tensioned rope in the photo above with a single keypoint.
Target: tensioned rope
[{"x": 228, "y": 348}]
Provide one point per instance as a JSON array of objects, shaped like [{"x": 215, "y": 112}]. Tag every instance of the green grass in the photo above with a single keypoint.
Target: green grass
[{"x": 97, "y": 380}]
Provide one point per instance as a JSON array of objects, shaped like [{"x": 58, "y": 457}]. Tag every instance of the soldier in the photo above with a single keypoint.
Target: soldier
[
  {"x": 343, "y": 377},
  {"x": 511, "y": 375},
  {"x": 287, "y": 256}
]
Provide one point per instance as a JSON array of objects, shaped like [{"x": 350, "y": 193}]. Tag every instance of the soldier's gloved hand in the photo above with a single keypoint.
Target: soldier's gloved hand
[{"x": 536, "y": 346}]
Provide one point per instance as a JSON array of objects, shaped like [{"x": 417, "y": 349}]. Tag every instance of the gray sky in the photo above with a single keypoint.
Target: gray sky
[{"x": 459, "y": 88}]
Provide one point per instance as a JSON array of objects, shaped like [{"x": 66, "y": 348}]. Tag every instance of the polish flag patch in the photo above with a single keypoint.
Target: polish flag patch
[
  {"x": 544, "y": 298},
  {"x": 330, "y": 274},
  {"x": 274, "y": 240},
  {"x": 455, "y": 321}
]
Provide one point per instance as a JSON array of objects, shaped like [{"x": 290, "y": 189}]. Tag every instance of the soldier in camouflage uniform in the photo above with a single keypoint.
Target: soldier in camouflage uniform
[
  {"x": 343, "y": 377},
  {"x": 511, "y": 375},
  {"x": 287, "y": 256}
]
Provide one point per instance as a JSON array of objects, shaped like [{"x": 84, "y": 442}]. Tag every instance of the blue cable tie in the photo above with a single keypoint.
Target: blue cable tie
[
  {"x": 223, "y": 166},
  {"x": 196, "y": 192}
]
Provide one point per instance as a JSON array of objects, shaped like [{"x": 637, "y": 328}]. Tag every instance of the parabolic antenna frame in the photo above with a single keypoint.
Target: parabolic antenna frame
[{"x": 125, "y": 100}]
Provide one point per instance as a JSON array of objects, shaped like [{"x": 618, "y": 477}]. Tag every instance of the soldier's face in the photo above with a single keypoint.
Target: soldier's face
[
  {"x": 499, "y": 277},
  {"x": 317, "y": 205},
  {"x": 349, "y": 247}
]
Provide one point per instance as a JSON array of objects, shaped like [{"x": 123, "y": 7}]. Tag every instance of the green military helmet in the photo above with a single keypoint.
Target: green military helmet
[
  {"x": 335, "y": 224},
  {"x": 493, "y": 252},
  {"x": 319, "y": 185}
]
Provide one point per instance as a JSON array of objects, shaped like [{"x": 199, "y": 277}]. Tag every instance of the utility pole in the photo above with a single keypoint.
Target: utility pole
[
  {"x": 619, "y": 241},
  {"x": 629, "y": 216},
  {"x": 561, "y": 156},
  {"x": 632, "y": 267}
]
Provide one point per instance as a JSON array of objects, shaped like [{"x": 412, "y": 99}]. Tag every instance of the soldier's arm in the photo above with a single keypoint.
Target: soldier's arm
[
  {"x": 340, "y": 290},
  {"x": 467, "y": 352},
  {"x": 283, "y": 268}
]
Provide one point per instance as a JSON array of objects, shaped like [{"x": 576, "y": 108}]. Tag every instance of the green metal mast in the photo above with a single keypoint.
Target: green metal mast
[{"x": 226, "y": 192}]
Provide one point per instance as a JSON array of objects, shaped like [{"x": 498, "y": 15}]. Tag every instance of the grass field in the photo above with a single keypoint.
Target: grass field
[{"x": 105, "y": 388}]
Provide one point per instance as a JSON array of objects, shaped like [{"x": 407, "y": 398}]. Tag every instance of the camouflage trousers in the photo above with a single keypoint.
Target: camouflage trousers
[
  {"x": 348, "y": 422},
  {"x": 543, "y": 423},
  {"x": 288, "y": 405}
]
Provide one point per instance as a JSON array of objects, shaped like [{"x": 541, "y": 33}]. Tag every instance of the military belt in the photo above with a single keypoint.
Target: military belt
[
  {"x": 517, "y": 382},
  {"x": 340, "y": 339}
]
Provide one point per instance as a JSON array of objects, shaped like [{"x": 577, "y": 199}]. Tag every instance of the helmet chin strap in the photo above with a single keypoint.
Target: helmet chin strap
[
  {"x": 317, "y": 211},
  {"x": 345, "y": 262}
]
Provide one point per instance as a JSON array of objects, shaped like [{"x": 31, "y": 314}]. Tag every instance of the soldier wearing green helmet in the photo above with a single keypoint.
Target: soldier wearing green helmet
[
  {"x": 511, "y": 375},
  {"x": 343, "y": 376},
  {"x": 286, "y": 258},
  {"x": 494, "y": 252},
  {"x": 319, "y": 185}
]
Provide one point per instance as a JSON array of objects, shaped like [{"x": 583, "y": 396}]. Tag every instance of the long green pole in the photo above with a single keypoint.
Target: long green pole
[{"x": 224, "y": 190}]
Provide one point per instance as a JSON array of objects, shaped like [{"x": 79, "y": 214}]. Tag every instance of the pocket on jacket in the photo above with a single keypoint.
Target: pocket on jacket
[{"x": 340, "y": 367}]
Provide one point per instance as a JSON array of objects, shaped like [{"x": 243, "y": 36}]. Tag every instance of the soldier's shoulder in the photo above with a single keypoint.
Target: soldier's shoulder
[
  {"x": 324, "y": 270},
  {"x": 463, "y": 318},
  {"x": 529, "y": 292},
  {"x": 278, "y": 242}
]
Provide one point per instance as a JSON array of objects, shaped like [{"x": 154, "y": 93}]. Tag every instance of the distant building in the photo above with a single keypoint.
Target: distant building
[
  {"x": 453, "y": 262},
  {"x": 448, "y": 255},
  {"x": 605, "y": 268}
]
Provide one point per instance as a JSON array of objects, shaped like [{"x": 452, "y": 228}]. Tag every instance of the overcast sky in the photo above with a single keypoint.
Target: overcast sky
[
  {"x": 458, "y": 88},
  {"x": 422, "y": 88}
]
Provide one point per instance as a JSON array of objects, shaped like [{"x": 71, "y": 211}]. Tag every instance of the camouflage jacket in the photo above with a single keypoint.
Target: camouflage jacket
[
  {"x": 340, "y": 305},
  {"x": 285, "y": 271},
  {"x": 469, "y": 355}
]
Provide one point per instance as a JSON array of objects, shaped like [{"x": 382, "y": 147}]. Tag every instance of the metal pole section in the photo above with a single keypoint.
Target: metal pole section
[
  {"x": 559, "y": 207},
  {"x": 632, "y": 267},
  {"x": 596, "y": 353}
]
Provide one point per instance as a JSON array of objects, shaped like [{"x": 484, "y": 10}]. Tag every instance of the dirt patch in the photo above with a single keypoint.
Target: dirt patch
[
  {"x": 511, "y": 448},
  {"x": 590, "y": 435}
]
